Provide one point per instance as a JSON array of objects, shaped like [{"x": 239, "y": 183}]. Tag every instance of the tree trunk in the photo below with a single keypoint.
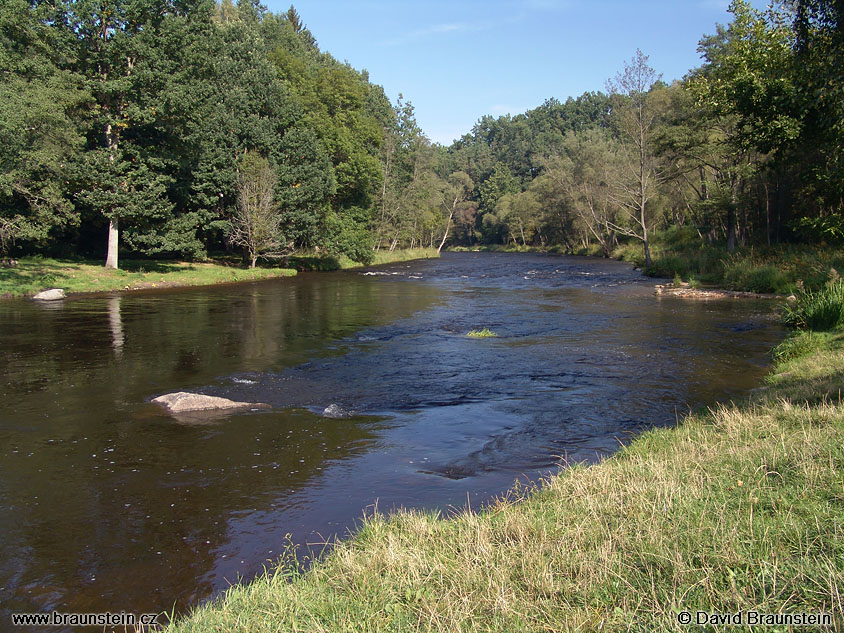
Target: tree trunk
[
  {"x": 113, "y": 235},
  {"x": 112, "y": 139},
  {"x": 253, "y": 261},
  {"x": 447, "y": 227},
  {"x": 767, "y": 213},
  {"x": 645, "y": 235},
  {"x": 731, "y": 229}
]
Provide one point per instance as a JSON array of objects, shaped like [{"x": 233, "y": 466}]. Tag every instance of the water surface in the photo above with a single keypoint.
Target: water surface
[{"x": 107, "y": 504}]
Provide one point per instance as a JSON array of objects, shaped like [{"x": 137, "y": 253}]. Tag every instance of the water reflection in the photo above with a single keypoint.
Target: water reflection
[
  {"x": 108, "y": 504},
  {"x": 116, "y": 324}
]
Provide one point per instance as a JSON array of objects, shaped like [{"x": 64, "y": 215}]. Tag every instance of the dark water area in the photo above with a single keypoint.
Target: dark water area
[{"x": 108, "y": 504}]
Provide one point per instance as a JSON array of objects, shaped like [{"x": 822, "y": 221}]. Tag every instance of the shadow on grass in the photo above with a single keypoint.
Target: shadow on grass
[
  {"x": 312, "y": 262},
  {"x": 157, "y": 266},
  {"x": 31, "y": 276}
]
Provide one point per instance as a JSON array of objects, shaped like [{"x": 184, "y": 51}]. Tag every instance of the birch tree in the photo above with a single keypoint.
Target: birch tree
[
  {"x": 256, "y": 224},
  {"x": 634, "y": 117}
]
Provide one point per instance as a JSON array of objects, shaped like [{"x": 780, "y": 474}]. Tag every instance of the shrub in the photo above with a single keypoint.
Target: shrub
[
  {"x": 755, "y": 276},
  {"x": 820, "y": 310},
  {"x": 798, "y": 345}
]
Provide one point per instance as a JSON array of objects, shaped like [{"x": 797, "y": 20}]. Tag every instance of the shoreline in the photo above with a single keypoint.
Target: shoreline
[
  {"x": 86, "y": 278},
  {"x": 736, "y": 508},
  {"x": 706, "y": 293}
]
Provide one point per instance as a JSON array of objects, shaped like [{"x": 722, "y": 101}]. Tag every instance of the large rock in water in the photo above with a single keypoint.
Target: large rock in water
[
  {"x": 184, "y": 401},
  {"x": 50, "y": 295}
]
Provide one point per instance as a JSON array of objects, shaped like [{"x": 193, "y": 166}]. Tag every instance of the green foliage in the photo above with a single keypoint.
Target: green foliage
[
  {"x": 348, "y": 235},
  {"x": 754, "y": 275},
  {"x": 40, "y": 106},
  {"x": 820, "y": 310},
  {"x": 138, "y": 112},
  {"x": 144, "y": 120},
  {"x": 829, "y": 228},
  {"x": 798, "y": 345},
  {"x": 483, "y": 333}
]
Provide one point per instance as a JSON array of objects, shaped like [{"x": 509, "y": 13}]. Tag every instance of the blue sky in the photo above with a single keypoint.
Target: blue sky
[{"x": 459, "y": 60}]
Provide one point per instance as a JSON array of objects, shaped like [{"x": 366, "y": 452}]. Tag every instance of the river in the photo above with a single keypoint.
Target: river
[{"x": 108, "y": 504}]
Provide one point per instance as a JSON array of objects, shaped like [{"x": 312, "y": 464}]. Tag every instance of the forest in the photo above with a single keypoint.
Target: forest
[{"x": 188, "y": 129}]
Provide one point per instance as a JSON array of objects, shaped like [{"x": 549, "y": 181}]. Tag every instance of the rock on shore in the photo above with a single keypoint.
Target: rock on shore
[{"x": 50, "y": 295}]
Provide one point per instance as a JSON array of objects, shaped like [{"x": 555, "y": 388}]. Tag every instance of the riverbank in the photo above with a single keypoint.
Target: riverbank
[
  {"x": 736, "y": 509},
  {"x": 314, "y": 261},
  {"x": 34, "y": 274},
  {"x": 679, "y": 253}
]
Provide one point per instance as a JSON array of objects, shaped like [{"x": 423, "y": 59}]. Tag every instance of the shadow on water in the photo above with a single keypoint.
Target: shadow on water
[{"x": 109, "y": 505}]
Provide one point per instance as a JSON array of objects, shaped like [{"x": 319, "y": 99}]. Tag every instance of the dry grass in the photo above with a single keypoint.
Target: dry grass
[{"x": 741, "y": 508}]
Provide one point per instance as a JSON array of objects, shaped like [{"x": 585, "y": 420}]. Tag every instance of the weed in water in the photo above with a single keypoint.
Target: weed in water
[{"x": 484, "y": 333}]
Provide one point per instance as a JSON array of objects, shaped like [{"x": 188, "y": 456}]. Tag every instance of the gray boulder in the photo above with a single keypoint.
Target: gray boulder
[
  {"x": 183, "y": 401},
  {"x": 52, "y": 294}
]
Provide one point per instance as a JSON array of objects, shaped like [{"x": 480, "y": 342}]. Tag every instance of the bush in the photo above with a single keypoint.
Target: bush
[
  {"x": 821, "y": 310},
  {"x": 755, "y": 276},
  {"x": 798, "y": 345}
]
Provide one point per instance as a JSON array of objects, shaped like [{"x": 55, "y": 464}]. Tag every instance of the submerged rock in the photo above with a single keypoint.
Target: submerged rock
[
  {"x": 184, "y": 401},
  {"x": 335, "y": 411},
  {"x": 50, "y": 295}
]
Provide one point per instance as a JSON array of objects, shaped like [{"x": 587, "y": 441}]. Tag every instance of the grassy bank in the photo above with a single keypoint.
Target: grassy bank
[
  {"x": 776, "y": 269},
  {"x": 738, "y": 508},
  {"x": 33, "y": 274},
  {"x": 313, "y": 261}
]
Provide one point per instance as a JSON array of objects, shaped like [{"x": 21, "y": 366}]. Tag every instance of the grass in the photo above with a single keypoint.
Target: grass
[
  {"x": 679, "y": 252},
  {"x": 484, "y": 333},
  {"x": 388, "y": 257},
  {"x": 821, "y": 310},
  {"x": 737, "y": 508},
  {"x": 33, "y": 274},
  {"x": 315, "y": 261}
]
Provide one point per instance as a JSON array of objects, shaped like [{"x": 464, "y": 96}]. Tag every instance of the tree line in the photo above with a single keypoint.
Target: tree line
[
  {"x": 189, "y": 127},
  {"x": 746, "y": 149},
  {"x": 183, "y": 128}
]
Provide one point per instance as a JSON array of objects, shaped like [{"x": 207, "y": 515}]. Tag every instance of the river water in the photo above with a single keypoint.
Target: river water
[{"x": 107, "y": 504}]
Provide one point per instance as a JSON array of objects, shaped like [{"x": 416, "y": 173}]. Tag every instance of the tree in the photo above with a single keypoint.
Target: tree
[
  {"x": 40, "y": 136},
  {"x": 749, "y": 115},
  {"x": 458, "y": 189},
  {"x": 256, "y": 223},
  {"x": 583, "y": 170},
  {"x": 635, "y": 120},
  {"x": 112, "y": 39}
]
